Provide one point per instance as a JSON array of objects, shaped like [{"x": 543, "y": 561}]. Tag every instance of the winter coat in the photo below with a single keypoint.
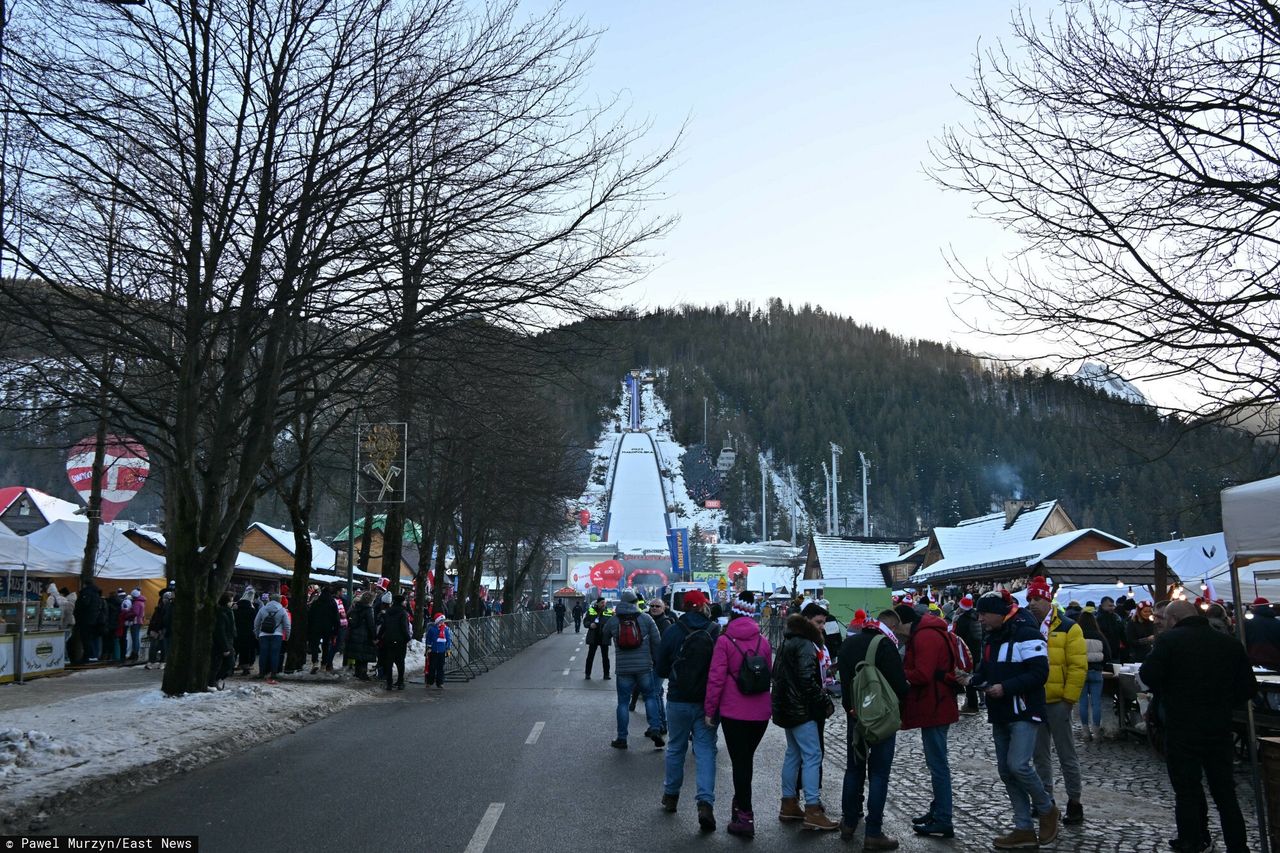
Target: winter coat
[
  {"x": 1016, "y": 657},
  {"x": 594, "y": 622},
  {"x": 139, "y": 614},
  {"x": 123, "y": 617},
  {"x": 969, "y": 629},
  {"x": 395, "y": 625},
  {"x": 161, "y": 618},
  {"x": 633, "y": 661},
  {"x": 1113, "y": 629},
  {"x": 323, "y": 621},
  {"x": 89, "y": 614},
  {"x": 854, "y": 651},
  {"x": 741, "y": 637},
  {"x": 577, "y": 612},
  {"x": 224, "y": 631},
  {"x": 665, "y": 621},
  {"x": 360, "y": 635},
  {"x": 1200, "y": 677},
  {"x": 246, "y": 636},
  {"x": 284, "y": 622},
  {"x": 1068, "y": 660},
  {"x": 673, "y": 640},
  {"x": 1138, "y": 630},
  {"x": 1096, "y": 649},
  {"x": 797, "y": 684},
  {"x": 435, "y": 642},
  {"x": 930, "y": 701},
  {"x": 1262, "y": 638}
]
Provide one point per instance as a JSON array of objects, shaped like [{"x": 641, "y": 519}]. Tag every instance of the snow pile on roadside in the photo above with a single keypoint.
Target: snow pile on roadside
[{"x": 53, "y": 752}]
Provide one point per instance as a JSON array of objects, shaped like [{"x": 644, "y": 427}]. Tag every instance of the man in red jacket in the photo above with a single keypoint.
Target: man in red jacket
[{"x": 931, "y": 707}]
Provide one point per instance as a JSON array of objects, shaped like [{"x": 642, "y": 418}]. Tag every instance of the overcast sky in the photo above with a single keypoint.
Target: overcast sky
[{"x": 801, "y": 175}]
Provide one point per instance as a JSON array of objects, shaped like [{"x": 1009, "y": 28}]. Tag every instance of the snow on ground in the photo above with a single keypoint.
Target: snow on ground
[
  {"x": 637, "y": 513},
  {"x": 58, "y": 751},
  {"x": 655, "y": 416}
]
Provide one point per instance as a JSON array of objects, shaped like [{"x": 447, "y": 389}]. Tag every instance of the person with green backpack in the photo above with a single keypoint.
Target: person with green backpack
[{"x": 873, "y": 685}]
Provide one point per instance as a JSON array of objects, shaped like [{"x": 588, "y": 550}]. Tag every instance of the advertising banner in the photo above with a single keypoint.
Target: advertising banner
[{"x": 678, "y": 543}]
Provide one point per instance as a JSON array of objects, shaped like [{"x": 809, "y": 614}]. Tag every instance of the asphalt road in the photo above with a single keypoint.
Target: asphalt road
[{"x": 462, "y": 771}]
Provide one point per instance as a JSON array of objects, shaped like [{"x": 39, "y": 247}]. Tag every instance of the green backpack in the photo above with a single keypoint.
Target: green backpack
[{"x": 873, "y": 702}]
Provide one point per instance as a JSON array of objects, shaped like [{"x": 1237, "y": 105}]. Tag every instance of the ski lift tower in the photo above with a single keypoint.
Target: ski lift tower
[
  {"x": 866, "y": 510},
  {"x": 836, "y": 452}
]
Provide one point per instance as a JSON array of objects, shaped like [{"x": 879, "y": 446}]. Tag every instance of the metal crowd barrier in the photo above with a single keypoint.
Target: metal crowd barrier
[
  {"x": 481, "y": 644},
  {"x": 772, "y": 628}
]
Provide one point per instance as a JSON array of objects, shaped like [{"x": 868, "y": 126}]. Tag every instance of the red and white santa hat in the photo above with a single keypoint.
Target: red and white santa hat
[
  {"x": 966, "y": 603},
  {"x": 439, "y": 618},
  {"x": 908, "y": 600},
  {"x": 1260, "y": 601}
]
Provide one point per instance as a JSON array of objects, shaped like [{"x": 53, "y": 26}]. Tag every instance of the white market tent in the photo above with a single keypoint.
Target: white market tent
[
  {"x": 1251, "y": 525},
  {"x": 118, "y": 558},
  {"x": 17, "y": 552}
]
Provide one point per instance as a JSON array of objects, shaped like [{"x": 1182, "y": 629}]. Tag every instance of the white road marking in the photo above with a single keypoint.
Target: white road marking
[
  {"x": 480, "y": 840},
  {"x": 572, "y": 658},
  {"x": 566, "y": 672},
  {"x": 533, "y": 735}
]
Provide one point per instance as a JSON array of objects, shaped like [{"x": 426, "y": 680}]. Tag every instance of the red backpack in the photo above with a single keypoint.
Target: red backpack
[{"x": 629, "y": 636}]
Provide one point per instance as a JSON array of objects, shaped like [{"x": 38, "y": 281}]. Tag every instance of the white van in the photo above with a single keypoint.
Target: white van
[{"x": 675, "y": 595}]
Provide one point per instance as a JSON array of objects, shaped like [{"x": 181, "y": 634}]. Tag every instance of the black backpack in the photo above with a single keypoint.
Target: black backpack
[
  {"x": 694, "y": 660},
  {"x": 268, "y": 622},
  {"x": 754, "y": 676}
]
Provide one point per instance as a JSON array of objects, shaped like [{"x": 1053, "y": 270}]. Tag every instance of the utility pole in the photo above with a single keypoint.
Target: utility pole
[
  {"x": 866, "y": 509},
  {"x": 826, "y": 474},
  {"x": 836, "y": 452},
  {"x": 704, "y": 422}
]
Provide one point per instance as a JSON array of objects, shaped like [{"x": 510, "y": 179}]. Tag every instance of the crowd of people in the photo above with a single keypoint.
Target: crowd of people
[
  {"x": 1035, "y": 668},
  {"x": 101, "y": 627}
]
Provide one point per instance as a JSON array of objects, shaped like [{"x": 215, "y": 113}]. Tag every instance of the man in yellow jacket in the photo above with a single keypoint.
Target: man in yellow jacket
[{"x": 1068, "y": 664}]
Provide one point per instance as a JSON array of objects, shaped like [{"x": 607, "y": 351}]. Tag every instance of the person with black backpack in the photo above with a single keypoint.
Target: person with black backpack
[
  {"x": 636, "y": 638},
  {"x": 685, "y": 661},
  {"x": 869, "y": 764},
  {"x": 738, "y": 696}
]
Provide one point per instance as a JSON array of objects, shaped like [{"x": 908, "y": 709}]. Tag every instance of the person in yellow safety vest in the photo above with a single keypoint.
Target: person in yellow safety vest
[
  {"x": 597, "y": 615},
  {"x": 640, "y": 603}
]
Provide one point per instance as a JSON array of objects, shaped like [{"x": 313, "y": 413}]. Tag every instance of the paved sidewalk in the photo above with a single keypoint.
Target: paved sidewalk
[{"x": 55, "y": 688}]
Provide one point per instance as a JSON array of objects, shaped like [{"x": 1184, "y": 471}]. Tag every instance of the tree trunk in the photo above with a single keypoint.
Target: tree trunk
[
  {"x": 393, "y": 545},
  {"x": 94, "y": 513},
  {"x": 366, "y": 538},
  {"x": 296, "y": 656}
]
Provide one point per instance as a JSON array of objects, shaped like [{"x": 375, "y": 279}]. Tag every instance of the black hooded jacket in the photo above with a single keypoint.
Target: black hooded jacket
[{"x": 797, "y": 682}]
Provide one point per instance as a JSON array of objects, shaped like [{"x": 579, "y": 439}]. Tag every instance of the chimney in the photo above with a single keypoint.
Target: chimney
[{"x": 1013, "y": 509}]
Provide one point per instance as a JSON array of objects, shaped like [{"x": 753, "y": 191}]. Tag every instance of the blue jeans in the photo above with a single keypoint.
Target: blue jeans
[
  {"x": 934, "y": 741},
  {"x": 683, "y": 718},
  {"x": 1015, "y": 754},
  {"x": 269, "y": 653},
  {"x": 804, "y": 757},
  {"x": 1091, "y": 699},
  {"x": 645, "y": 681},
  {"x": 879, "y": 762},
  {"x": 135, "y": 641}
]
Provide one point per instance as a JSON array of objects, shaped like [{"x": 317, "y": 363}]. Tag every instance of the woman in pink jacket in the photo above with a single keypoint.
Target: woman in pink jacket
[{"x": 743, "y": 716}]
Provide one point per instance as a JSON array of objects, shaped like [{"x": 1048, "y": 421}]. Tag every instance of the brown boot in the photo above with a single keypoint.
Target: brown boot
[
  {"x": 790, "y": 809},
  {"x": 1019, "y": 839},
  {"x": 815, "y": 817},
  {"x": 880, "y": 842},
  {"x": 1050, "y": 824}
]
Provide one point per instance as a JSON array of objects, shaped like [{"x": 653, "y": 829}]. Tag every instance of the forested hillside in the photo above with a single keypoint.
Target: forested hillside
[{"x": 948, "y": 435}]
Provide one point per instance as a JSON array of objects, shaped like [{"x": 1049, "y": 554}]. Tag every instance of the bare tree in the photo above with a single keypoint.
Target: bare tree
[{"x": 1132, "y": 144}]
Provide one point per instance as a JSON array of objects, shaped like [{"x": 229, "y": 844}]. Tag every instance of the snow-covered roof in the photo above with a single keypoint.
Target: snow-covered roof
[
  {"x": 916, "y": 550},
  {"x": 322, "y": 556},
  {"x": 856, "y": 563},
  {"x": 1026, "y": 553},
  {"x": 977, "y": 535},
  {"x": 249, "y": 563},
  {"x": 154, "y": 535},
  {"x": 53, "y": 509}
]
